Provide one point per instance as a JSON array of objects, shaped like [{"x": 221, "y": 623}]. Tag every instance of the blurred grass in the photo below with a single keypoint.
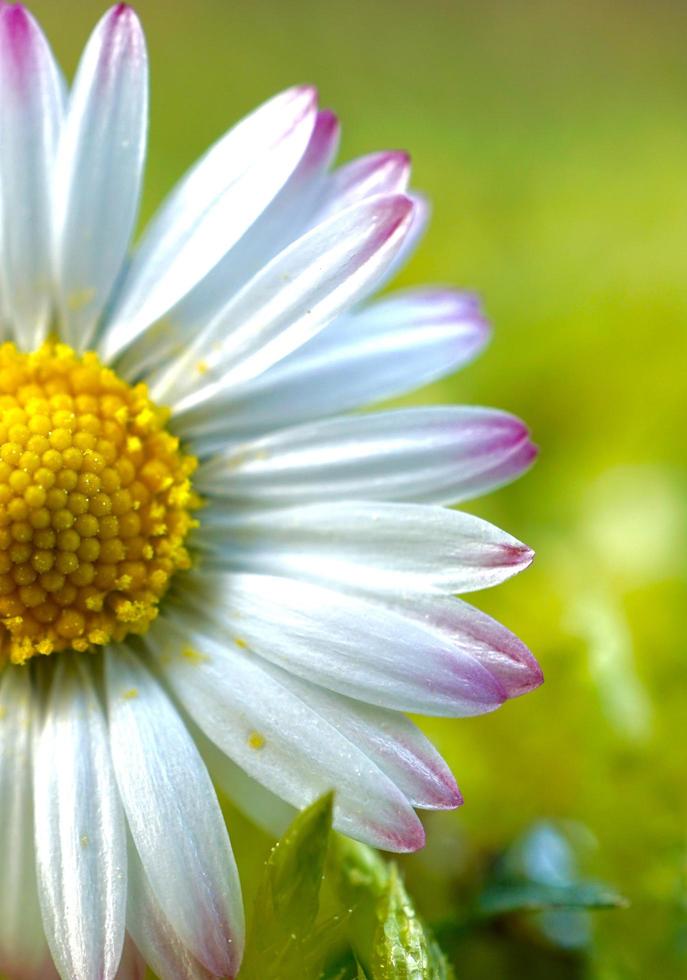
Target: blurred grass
[{"x": 552, "y": 140}]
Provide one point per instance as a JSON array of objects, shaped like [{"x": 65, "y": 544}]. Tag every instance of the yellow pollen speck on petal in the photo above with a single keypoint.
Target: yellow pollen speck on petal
[
  {"x": 84, "y": 840},
  {"x": 95, "y": 503},
  {"x": 130, "y": 695},
  {"x": 241, "y": 643},
  {"x": 256, "y": 740},
  {"x": 80, "y": 298},
  {"x": 202, "y": 367},
  {"x": 193, "y": 656}
]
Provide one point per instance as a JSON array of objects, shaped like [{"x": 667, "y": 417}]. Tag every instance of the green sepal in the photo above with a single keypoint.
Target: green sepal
[{"x": 284, "y": 943}]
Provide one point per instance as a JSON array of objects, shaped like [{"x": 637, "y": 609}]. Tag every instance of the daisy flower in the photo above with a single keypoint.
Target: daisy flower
[{"x": 209, "y": 571}]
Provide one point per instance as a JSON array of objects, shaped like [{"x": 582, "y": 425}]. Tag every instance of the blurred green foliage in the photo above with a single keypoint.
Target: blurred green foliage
[{"x": 552, "y": 140}]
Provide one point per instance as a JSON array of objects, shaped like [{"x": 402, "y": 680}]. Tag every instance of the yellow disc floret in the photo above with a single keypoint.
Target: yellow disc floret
[{"x": 95, "y": 503}]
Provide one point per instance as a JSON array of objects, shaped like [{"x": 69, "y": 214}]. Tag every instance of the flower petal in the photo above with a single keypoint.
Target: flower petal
[
  {"x": 504, "y": 655},
  {"x": 174, "y": 816},
  {"x": 421, "y": 216},
  {"x": 99, "y": 170},
  {"x": 243, "y": 707},
  {"x": 31, "y": 111},
  {"x": 152, "y": 932},
  {"x": 390, "y": 740},
  {"x": 23, "y": 949},
  {"x": 209, "y": 211},
  {"x": 5, "y": 330},
  {"x": 296, "y": 295},
  {"x": 132, "y": 966},
  {"x": 341, "y": 642},
  {"x": 79, "y": 828},
  {"x": 365, "y": 546},
  {"x": 428, "y": 455},
  {"x": 377, "y": 173},
  {"x": 282, "y": 221},
  {"x": 263, "y": 807},
  {"x": 391, "y": 347}
]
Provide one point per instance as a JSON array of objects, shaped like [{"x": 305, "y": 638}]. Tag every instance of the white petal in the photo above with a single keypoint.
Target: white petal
[
  {"x": 242, "y": 705},
  {"x": 504, "y": 655},
  {"x": 423, "y": 309},
  {"x": 254, "y": 800},
  {"x": 391, "y": 741},
  {"x": 421, "y": 216},
  {"x": 364, "y": 546},
  {"x": 307, "y": 199},
  {"x": 5, "y": 331},
  {"x": 79, "y": 826},
  {"x": 174, "y": 816},
  {"x": 378, "y": 173},
  {"x": 31, "y": 110},
  {"x": 209, "y": 211},
  {"x": 152, "y": 932},
  {"x": 99, "y": 170},
  {"x": 351, "y": 646},
  {"x": 282, "y": 221},
  {"x": 303, "y": 289},
  {"x": 388, "y": 738},
  {"x": 429, "y": 455},
  {"x": 391, "y": 347},
  {"x": 23, "y": 949}
]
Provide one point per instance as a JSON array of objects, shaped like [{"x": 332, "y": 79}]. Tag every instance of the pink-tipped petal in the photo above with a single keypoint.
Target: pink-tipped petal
[
  {"x": 497, "y": 649},
  {"x": 100, "y": 170},
  {"x": 426, "y": 455},
  {"x": 421, "y": 217},
  {"x": 282, "y": 221},
  {"x": 153, "y": 933},
  {"x": 393, "y": 346},
  {"x": 247, "y": 708},
  {"x": 357, "y": 648},
  {"x": 294, "y": 297},
  {"x": 391, "y": 741},
  {"x": 210, "y": 210},
  {"x": 371, "y": 548},
  {"x": 31, "y": 109},
  {"x": 379, "y": 173},
  {"x": 323, "y": 144}
]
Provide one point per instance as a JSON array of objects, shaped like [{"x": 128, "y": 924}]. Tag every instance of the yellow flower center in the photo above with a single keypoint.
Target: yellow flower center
[{"x": 95, "y": 503}]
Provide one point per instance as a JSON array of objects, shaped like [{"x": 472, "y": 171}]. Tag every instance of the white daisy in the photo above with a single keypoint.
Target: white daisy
[{"x": 249, "y": 577}]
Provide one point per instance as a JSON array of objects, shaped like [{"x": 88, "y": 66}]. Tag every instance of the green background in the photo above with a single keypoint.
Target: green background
[{"x": 552, "y": 140}]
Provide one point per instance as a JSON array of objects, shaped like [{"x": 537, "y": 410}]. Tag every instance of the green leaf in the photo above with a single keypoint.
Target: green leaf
[
  {"x": 343, "y": 967},
  {"x": 529, "y": 896},
  {"x": 400, "y": 947},
  {"x": 293, "y": 876},
  {"x": 439, "y": 967},
  {"x": 283, "y": 941}
]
